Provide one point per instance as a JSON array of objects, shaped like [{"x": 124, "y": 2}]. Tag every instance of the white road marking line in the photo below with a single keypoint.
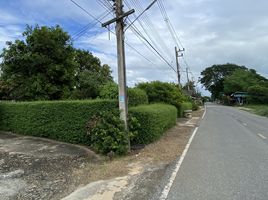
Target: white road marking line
[
  {"x": 245, "y": 124},
  {"x": 262, "y": 136},
  {"x": 204, "y": 112},
  {"x": 167, "y": 188}
]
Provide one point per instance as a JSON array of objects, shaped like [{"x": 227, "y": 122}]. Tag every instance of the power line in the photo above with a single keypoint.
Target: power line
[
  {"x": 151, "y": 45},
  {"x": 158, "y": 40},
  {"x": 88, "y": 13},
  {"x": 137, "y": 32},
  {"x": 161, "y": 4},
  {"x": 141, "y": 25},
  {"x": 89, "y": 26},
  {"x": 159, "y": 54},
  {"x": 141, "y": 14},
  {"x": 98, "y": 20},
  {"x": 105, "y": 5},
  {"x": 139, "y": 53}
]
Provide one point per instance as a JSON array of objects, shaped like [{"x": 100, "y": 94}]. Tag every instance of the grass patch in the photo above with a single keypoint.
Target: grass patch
[{"x": 259, "y": 109}]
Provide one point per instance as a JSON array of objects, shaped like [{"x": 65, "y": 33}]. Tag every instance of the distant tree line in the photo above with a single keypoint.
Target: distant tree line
[{"x": 230, "y": 78}]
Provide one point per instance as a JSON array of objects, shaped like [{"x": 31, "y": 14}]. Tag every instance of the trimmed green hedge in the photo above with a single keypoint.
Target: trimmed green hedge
[
  {"x": 60, "y": 120},
  {"x": 184, "y": 106},
  {"x": 69, "y": 121},
  {"x": 154, "y": 120}
]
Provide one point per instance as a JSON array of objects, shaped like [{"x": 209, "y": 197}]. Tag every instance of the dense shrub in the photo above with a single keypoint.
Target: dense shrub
[
  {"x": 195, "y": 105},
  {"x": 161, "y": 92},
  {"x": 154, "y": 120},
  {"x": 184, "y": 106},
  {"x": 136, "y": 96},
  {"x": 60, "y": 120},
  {"x": 109, "y": 91},
  {"x": 258, "y": 94},
  {"x": 107, "y": 133}
]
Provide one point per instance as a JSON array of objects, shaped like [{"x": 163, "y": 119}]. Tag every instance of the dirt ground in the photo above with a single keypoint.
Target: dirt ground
[{"x": 35, "y": 168}]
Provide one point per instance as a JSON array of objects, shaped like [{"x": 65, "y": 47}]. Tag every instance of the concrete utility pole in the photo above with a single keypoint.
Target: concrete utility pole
[
  {"x": 119, "y": 19},
  {"x": 188, "y": 81},
  {"x": 177, "y": 63}
]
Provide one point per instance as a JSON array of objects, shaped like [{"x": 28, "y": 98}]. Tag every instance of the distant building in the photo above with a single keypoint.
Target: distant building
[{"x": 239, "y": 98}]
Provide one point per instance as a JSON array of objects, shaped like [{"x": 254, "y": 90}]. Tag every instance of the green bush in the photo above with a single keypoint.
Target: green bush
[
  {"x": 184, "y": 106},
  {"x": 60, "y": 120},
  {"x": 195, "y": 105},
  {"x": 161, "y": 92},
  {"x": 154, "y": 120},
  {"x": 109, "y": 91},
  {"x": 258, "y": 94},
  {"x": 137, "y": 97},
  {"x": 107, "y": 133}
]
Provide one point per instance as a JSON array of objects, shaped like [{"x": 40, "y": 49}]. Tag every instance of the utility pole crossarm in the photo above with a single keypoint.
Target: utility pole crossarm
[{"x": 118, "y": 18}]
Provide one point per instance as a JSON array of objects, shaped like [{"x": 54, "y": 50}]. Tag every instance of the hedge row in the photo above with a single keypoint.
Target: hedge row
[
  {"x": 69, "y": 121},
  {"x": 60, "y": 120},
  {"x": 154, "y": 120},
  {"x": 184, "y": 106}
]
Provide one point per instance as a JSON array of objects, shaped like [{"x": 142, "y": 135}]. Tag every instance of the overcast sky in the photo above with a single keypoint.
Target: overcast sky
[{"x": 211, "y": 31}]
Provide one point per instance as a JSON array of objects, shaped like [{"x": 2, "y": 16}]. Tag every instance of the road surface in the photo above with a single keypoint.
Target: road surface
[{"x": 227, "y": 159}]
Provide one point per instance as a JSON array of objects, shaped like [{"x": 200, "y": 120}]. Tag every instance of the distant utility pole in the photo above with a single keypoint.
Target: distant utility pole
[
  {"x": 188, "y": 80},
  {"x": 119, "y": 19},
  {"x": 177, "y": 63}
]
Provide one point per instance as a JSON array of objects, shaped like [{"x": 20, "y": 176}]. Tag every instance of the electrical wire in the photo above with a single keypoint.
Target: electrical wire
[
  {"x": 89, "y": 26},
  {"x": 137, "y": 32},
  {"x": 153, "y": 33}
]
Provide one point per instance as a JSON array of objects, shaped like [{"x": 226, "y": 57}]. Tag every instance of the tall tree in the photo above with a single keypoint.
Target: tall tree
[
  {"x": 40, "y": 67},
  {"x": 45, "y": 66},
  {"x": 90, "y": 75},
  {"x": 213, "y": 77}
]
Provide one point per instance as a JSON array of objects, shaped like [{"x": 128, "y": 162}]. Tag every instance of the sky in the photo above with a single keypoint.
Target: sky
[{"x": 211, "y": 31}]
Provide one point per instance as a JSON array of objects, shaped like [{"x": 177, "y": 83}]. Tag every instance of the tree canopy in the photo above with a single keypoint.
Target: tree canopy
[
  {"x": 249, "y": 81},
  {"x": 90, "y": 75},
  {"x": 213, "y": 77},
  {"x": 46, "y": 66},
  {"x": 241, "y": 80}
]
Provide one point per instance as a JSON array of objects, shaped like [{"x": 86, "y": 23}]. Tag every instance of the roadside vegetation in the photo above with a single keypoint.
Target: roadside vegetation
[
  {"x": 49, "y": 88},
  {"x": 237, "y": 85},
  {"x": 259, "y": 109}
]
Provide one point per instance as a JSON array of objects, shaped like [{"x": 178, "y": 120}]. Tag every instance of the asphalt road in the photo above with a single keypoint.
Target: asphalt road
[{"x": 227, "y": 160}]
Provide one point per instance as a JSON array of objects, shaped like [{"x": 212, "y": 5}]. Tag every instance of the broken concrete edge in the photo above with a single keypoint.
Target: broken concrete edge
[{"x": 56, "y": 142}]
